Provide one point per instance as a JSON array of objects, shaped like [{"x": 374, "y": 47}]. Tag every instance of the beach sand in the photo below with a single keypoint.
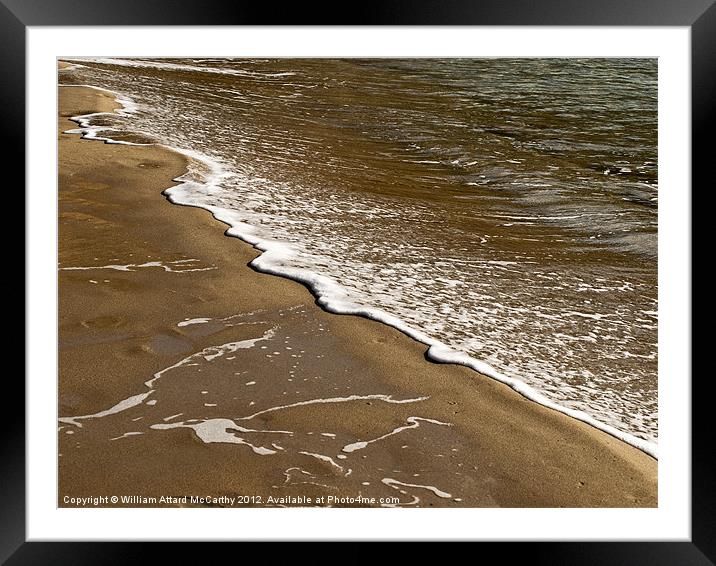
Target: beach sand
[{"x": 267, "y": 394}]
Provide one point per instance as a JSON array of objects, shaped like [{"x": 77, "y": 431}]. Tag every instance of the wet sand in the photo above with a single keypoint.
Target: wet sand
[{"x": 254, "y": 390}]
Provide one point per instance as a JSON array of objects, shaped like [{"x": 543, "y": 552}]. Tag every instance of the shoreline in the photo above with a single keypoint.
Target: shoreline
[
  {"x": 636, "y": 469},
  {"x": 436, "y": 352}
]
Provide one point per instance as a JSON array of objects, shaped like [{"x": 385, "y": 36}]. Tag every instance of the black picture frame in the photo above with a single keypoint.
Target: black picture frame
[{"x": 698, "y": 15}]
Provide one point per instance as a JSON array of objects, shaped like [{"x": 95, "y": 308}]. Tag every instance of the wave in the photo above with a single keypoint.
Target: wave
[
  {"x": 205, "y": 175},
  {"x": 140, "y": 63}
]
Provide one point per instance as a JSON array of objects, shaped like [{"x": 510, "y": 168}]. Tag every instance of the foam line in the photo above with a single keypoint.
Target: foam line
[
  {"x": 134, "y": 266},
  {"x": 212, "y": 352},
  {"x": 123, "y": 405},
  {"x": 182, "y": 67},
  {"x": 127, "y": 435},
  {"x": 323, "y": 458},
  {"x": 414, "y": 423},
  {"x": 385, "y": 398},
  {"x": 391, "y": 482},
  {"x": 87, "y": 131},
  {"x": 201, "y": 320}
]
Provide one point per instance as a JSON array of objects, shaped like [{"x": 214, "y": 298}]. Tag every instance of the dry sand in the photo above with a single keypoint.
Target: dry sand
[{"x": 119, "y": 326}]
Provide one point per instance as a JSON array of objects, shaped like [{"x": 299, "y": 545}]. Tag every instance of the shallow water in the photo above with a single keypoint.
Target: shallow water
[{"x": 507, "y": 208}]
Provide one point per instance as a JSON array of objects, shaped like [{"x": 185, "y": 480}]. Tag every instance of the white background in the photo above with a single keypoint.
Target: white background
[{"x": 671, "y": 521}]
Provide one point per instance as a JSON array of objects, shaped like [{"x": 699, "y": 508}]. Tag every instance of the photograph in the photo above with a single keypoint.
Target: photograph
[
  {"x": 357, "y": 282},
  {"x": 420, "y": 273}
]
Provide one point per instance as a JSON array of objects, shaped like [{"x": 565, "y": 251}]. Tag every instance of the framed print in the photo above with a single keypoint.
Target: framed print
[{"x": 426, "y": 277}]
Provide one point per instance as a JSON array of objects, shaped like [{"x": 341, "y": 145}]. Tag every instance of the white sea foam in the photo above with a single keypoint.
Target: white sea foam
[
  {"x": 72, "y": 67},
  {"x": 392, "y": 482},
  {"x": 166, "y": 266},
  {"x": 89, "y": 131},
  {"x": 123, "y": 405},
  {"x": 218, "y": 431},
  {"x": 414, "y": 423},
  {"x": 138, "y": 63},
  {"x": 323, "y": 458},
  {"x": 202, "y": 320},
  {"x": 349, "y": 399},
  {"x": 127, "y": 434}
]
